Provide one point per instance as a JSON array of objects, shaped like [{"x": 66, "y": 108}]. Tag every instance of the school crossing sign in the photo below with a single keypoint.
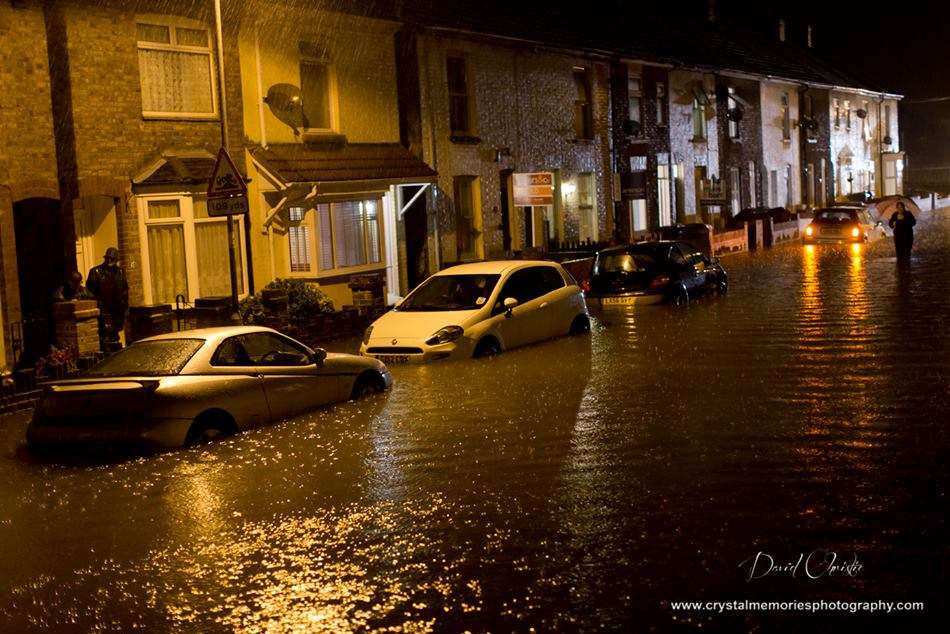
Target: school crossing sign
[{"x": 227, "y": 191}]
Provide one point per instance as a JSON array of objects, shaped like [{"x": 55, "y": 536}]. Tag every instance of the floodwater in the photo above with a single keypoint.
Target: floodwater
[{"x": 578, "y": 484}]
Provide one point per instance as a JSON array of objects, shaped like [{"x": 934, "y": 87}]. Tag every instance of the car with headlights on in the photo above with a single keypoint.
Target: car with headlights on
[
  {"x": 479, "y": 309},
  {"x": 842, "y": 225},
  {"x": 189, "y": 387},
  {"x": 654, "y": 272}
]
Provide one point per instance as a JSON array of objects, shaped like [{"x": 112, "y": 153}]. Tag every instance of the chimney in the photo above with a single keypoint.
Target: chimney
[
  {"x": 781, "y": 30},
  {"x": 808, "y": 38},
  {"x": 711, "y": 14}
]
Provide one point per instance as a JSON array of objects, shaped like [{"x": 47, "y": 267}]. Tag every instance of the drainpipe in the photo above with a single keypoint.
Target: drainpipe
[
  {"x": 222, "y": 100},
  {"x": 260, "y": 85},
  {"x": 880, "y": 146}
]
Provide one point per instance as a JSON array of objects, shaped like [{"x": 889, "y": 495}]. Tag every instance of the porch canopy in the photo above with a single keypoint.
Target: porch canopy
[{"x": 310, "y": 172}]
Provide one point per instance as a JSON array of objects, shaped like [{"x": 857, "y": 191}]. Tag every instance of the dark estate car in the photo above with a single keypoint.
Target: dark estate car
[{"x": 653, "y": 272}]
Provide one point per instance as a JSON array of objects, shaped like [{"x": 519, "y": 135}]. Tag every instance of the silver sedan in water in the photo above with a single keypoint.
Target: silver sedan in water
[{"x": 190, "y": 387}]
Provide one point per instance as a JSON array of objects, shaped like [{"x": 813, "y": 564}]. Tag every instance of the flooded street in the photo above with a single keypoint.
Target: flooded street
[{"x": 582, "y": 483}]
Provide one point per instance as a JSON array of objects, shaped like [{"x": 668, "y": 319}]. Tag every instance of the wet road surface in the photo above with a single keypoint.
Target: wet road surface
[{"x": 578, "y": 484}]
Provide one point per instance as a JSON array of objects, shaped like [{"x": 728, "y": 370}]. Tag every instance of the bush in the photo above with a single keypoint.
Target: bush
[
  {"x": 304, "y": 301},
  {"x": 251, "y": 310}
]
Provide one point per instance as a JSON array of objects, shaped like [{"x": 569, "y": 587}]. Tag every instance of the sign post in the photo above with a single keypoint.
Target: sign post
[{"x": 227, "y": 196}]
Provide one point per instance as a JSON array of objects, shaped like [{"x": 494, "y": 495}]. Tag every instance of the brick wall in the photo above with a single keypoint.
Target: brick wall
[
  {"x": 27, "y": 148},
  {"x": 112, "y": 140},
  {"x": 523, "y": 101}
]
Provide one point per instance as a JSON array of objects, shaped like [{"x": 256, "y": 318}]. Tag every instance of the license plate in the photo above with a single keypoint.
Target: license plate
[
  {"x": 618, "y": 300},
  {"x": 393, "y": 358}
]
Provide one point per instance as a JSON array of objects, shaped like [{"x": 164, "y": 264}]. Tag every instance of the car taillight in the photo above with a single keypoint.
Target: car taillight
[
  {"x": 585, "y": 285},
  {"x": 660, "y": 280},
  {"x": 856, "y": 232}
]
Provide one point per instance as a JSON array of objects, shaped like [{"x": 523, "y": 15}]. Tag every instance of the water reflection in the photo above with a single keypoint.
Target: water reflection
[{"x": 572, "y": 485}]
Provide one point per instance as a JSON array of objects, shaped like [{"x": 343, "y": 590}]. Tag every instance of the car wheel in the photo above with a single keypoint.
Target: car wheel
[
  {"x": 487, "y": 347},
  {"x": 580, "y": 325},
  {"x": 722, "y": 285},
  {"x": 680, "y": 297},
  {"x": 367, "y": 385},
  {"x": 208, "y": 428}
]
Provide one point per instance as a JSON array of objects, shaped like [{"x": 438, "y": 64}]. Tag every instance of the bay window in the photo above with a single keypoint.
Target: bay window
[
  {"x": 185, "y": 252},
  {"x": 176, "y": 68},
  {"x": 332, "y": 238}
]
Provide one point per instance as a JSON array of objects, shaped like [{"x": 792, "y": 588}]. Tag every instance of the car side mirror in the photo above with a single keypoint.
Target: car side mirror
[
  {"x": 509, "y": 304},
  {"x": 319, "y": 356}
]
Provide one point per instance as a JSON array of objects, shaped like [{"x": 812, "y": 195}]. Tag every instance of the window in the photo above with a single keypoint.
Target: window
[
  {"x": 585, "y": 206},
  {"x": 866, "y": 122},
  {"x": 528, "y": 284},
  {"x": 637, "y": 209},
  {"x": 260, "y": 349},
  {"x": 887, "y": 121},
  {"x": 634, "y": 95},
  {"x": 786, "y": 118},
  {"x": 316, "y": 94},
  {"x": 334, "y": 236},
  {"x": 663, "y": 194},
  {"x": 583, "y": 120},
  {"x": 185, "y": 252},
  {"x": 773, "y": 188},
  {"x": 837, "y": 111},
  {"x": 788, "y": 186},
  {"x": 467, "y": 217},
  {"x": 699, "y": 120},
  {"x": 811, "y": 184},
  {"x": 176, "y": 71},
  {"x": 735, "y": 189},
  {"x": 460, "y": 111},
  {"x": 732, "y": 114},
  {"x": 752, "y": 182},
  {"x": 847, "y": 115},
  {"x": 821, "y": 182},
  {"x": 660, "y": 103},
  {"x": 299, "y": 234}
]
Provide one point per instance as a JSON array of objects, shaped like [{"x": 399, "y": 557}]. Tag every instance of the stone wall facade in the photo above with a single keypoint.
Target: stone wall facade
[
  {"x": 746, "y": 150},
  {"x": 696, "y": 154},
  {"x": 522, "y": 100}
]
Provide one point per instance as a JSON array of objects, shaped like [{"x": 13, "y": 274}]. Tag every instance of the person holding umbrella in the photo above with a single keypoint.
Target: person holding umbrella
[{"x": 902, "y": 222}]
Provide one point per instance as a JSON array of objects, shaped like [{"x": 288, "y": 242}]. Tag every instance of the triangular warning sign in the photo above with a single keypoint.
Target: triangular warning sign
[{"x": 225, "y": 179}]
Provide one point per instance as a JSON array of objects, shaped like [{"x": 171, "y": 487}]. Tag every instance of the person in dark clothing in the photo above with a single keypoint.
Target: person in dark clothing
[
  {"x": 108, "y": 285},
  {"x": 902, "y": 222}
]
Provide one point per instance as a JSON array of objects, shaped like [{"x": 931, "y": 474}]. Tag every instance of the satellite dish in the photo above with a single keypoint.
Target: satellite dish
[
  {"x": 286, "y": 104},
  {"x": 861, "y": 113}
]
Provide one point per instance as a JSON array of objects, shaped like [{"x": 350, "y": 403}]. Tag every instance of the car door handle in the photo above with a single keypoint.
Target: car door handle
[{"x": 543, "y": 304}]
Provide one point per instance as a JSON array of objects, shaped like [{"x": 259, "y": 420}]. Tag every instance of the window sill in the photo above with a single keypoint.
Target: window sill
[
  {"x": 465, "y": 139},
  {"x": 337, "y": 276},
  {"x": 174, "y": 116}
]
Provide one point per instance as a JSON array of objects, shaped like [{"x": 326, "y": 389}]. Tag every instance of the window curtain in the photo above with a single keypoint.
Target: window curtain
[
  {"x": 175, "y": 81},
  {"x": 326, "y": 237},
  {"x": 166, "y": 254},
  {"x": 348, "y": 241},
  {"x": 214, "y": 269},
  {"x": 371, "y": 221}
]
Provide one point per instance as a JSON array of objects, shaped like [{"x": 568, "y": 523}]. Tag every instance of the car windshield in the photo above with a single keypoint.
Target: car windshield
[
  {"x": 451, "y": 292},
  {"x": 625, "y": 262},
  {"x": 148, "y": 358},
  {"x": 836, "y": 215}
]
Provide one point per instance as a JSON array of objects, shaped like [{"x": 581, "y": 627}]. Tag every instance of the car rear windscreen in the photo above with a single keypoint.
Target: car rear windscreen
[
  {"x": 624, "y": 262},
  {"x": 836, "y": 215},
  {"x": 164, "y": 357}
]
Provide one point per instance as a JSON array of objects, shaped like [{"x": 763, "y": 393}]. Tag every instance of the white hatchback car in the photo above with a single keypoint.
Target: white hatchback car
[{"x": 479, "y": 309}]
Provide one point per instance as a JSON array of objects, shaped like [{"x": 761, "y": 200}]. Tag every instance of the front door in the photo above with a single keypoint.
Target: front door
[
  {"x": 504, "y": 179},
  {"x": 415, "y": 220},
  {"x": 40, "y": 268}
]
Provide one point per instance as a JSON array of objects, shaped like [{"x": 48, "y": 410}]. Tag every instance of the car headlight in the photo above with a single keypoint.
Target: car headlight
[
  {"x": 856, "y": 232},
  {"x": 445, "y": 335},
  {"x": 367, "y": 334},
  {"x": 809, "y": 230}
]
